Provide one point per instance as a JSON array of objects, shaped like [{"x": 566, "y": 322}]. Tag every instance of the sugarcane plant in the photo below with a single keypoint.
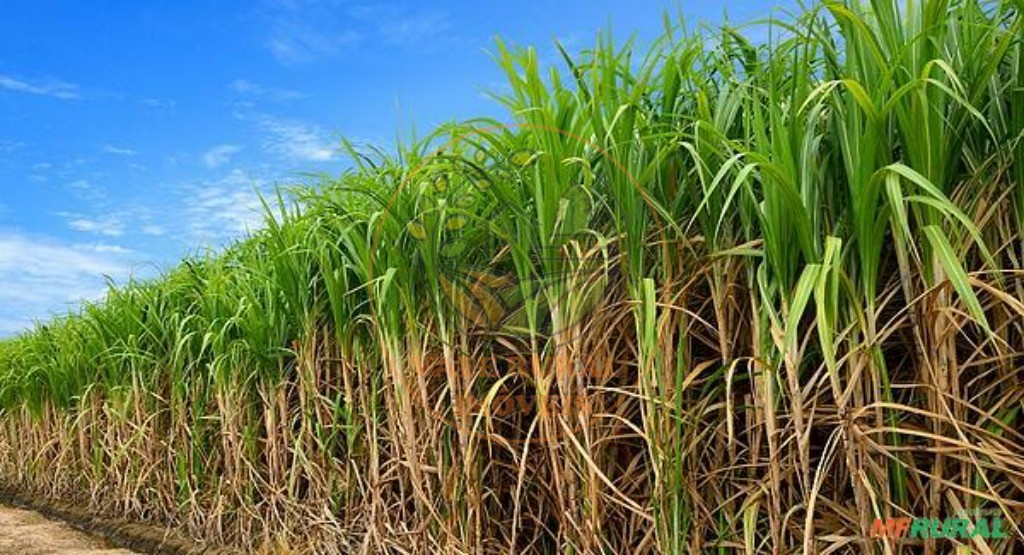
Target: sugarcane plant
[{"x": 744, "y": 290}]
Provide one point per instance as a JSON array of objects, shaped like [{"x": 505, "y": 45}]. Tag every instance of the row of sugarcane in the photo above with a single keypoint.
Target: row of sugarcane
[{"x": 745, "y": 293}]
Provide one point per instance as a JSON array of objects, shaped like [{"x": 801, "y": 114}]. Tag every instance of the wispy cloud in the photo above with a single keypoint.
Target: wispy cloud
[
  {"x": 158, "y": 102},
  {"x": 304, "y": 31},
  {"x": 42, "y": 276},
  {"x": 398, "y": 26},
  {"x": 420, "y": 29},
  {"x": 118, "y": 150},
  {"x": 153, "y": 229},
  {"x": 8, "y": 146},
  {"x": 84, "y": 189},
  {"x": 255, "y": 90},
  {"x": 293, "y": 42},
  {"x": 220, "y": 155},
  {"x": 220, "y": 209},
  {"x": 52, "y": 88},
  {"x": 111, "y": 226},
  {"x": 297, "y": 141}
]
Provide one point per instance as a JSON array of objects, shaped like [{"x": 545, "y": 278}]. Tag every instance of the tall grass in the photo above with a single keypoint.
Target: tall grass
[{"x": 754, "y": 293}]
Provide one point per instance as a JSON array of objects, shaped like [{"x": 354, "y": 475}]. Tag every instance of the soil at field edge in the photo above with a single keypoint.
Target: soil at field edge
[{"x": 26, "y": 532}]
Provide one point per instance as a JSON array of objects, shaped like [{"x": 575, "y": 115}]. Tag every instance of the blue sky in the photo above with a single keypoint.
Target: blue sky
[{"x": 134, "y": 133}]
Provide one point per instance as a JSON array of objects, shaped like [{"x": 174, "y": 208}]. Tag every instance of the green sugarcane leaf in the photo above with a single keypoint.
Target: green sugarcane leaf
[
  {"x": 955, "y": 271},
  {"x": 801, "y": 295}
]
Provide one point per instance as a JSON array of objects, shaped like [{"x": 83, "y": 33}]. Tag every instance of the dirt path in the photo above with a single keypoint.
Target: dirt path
[{"x": 28, "y": 533}]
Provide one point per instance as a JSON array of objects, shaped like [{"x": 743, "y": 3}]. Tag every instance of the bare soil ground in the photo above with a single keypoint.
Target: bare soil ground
[{"x": 24, "y": 532}]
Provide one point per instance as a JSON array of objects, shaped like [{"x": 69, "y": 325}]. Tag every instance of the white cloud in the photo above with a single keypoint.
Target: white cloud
[
  {"x": 295, "y": 42},
  {"x": 414, "y": 30},
  {"x": 397, "y": 26},
  {"x": 220, "y": 155},
  {"x": 85, "y": 190},
  {"x": 7, "y": 146},
  {"x": 298, "y": 141},
  {"x": 158, "y": 102},
  {"x": 11, "y": 326},
  {"x": 221, "y": 209},
  {"x": 111, "y": 226},
  {"x": 255, "y": 90},
  {"x": 53, "y": 89},
  {"x": 305, "y": 31},
  {"x": 42, "y": 276},
  {"x": 153, "y": 229},
  {"x": 118, "y": 151}
]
